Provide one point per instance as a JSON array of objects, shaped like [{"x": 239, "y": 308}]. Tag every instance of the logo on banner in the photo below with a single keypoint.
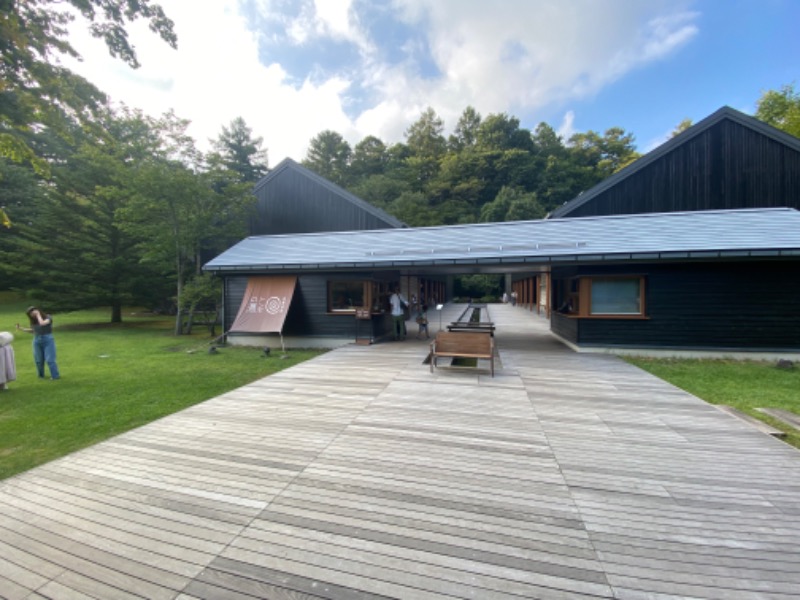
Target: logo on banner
[{"x": 273, "y": 305}]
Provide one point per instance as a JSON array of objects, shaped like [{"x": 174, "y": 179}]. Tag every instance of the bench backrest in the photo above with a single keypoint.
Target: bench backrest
[{"x": 470, "y": 342}]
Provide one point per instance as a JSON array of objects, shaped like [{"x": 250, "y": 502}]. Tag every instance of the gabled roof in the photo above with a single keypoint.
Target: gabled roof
[
  {"x": 746, "y": 233},
  {"x": 288, "y": 164},
  {"x": 724, "y": 113}
]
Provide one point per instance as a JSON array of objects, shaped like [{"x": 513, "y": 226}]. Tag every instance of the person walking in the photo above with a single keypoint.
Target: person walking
[
  {"x": 422, "y": 321},
  {"x": 398, "y": 303},
  {"x": 44, "y": 346}
]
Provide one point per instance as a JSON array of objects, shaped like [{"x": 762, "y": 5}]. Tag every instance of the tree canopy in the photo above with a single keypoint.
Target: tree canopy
[
  {"x": 35, "y": 91},
  {"x": 781, "y": 109},
  {"x": 110, "y": 207},
  {"x": 489, "y": 168}
]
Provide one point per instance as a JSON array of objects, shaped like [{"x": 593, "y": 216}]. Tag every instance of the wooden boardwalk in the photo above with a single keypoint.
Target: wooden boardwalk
[{"x": 360, "y": 474}]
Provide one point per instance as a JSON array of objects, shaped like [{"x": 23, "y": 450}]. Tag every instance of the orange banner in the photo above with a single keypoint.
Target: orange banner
[{"x": 265, "y": 304}]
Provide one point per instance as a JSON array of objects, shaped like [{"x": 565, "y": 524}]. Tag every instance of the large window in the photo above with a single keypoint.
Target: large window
[
  {"x": 346, "y": 296},
  {"x": 616, "y": 296},
  {"x": 603, "y": 297}
]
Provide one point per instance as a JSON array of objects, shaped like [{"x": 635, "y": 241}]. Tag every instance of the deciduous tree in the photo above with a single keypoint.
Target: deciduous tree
[
  {"x": 35, "y": 91},
  {"x": 781, "y": 109}
]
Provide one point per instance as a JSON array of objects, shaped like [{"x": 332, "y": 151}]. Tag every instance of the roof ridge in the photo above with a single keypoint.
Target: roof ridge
[
  {"x": 289, "y": 163},
  {"x": 725, "y": 112}
]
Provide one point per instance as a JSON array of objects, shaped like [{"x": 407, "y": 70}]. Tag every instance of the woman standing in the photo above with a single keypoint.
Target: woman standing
[{"x": 44, "y": 346}]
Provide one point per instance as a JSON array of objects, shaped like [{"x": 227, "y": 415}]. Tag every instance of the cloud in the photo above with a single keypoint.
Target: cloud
[
  {"x": 293, "y": 68},
  {"x": 567, "y": 127}
]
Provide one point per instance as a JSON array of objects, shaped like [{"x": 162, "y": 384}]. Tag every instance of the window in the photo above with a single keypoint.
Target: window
[
  {"x": 346, "y": 296},
  {"x": 616, "y": 296},
  {"x": 602, "y": 297}
]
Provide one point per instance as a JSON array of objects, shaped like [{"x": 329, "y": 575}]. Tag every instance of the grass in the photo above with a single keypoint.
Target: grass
[
  {"x": 745, "y": 385},
  {"x": 114, "y": 378}
]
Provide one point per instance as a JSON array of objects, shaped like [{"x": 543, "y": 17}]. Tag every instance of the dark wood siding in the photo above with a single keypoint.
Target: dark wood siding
[
  {"x": 293, "y": 202},
  {"x": 726, "y": 166},
  {"x": 751, "y": 305},
  {"x": 308, "y": 313},
  {"x": 566, "y": 327}
]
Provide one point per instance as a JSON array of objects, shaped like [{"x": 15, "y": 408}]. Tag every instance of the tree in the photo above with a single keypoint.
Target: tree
[
  {"x": 479, "y": 286},
  {"x": 424, "y": 136},
  {"x": 238, "y": 151},
  {"x": 329, "y": 156},
  {"x": 180, "y": 213},
  {"x": 604, "y": 154},
  {"x": 465, "y": 134},
  {"x": 546, "y": 142},
  {"x": 36, "y": 93},
  {"x": 379, "y": 190},
  {"x": 412, "y": 208},
  {"x": 165, "y": 214},
  {"x": 427, "y": 146},
  {"x": 681, "y": 127},
  {"x": 501, "y": 132},
  {"x": 781, "y": 109},
  {"x": 368, "y": 159},
  {"x": 512, "y": 204},
  {"x": 201, "y": 294},
  {"x": 20, "y": 192},
  {"x": 71, "y": 252}
]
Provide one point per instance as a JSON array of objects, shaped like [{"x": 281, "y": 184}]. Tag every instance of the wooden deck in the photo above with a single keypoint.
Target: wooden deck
[{"x": 360, "y": 474}]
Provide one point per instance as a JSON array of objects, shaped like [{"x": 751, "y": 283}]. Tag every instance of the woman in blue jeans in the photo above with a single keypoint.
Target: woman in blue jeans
[{"x": 44, "y": 346}]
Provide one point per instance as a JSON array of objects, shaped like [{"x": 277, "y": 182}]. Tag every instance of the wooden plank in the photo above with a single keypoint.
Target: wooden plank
[
  {"x": 568, "y": 476},
  {"x": 760, "y": 425},
  {"x": 784, "y": 416}
]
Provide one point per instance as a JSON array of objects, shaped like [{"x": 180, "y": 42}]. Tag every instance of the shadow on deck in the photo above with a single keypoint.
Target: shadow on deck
[{"x": 359, "y": 474}]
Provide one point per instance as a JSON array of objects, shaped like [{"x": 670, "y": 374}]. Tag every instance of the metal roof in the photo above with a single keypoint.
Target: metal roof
[
  {"x": 746, "y": 233},
  {"x": 724, "y": 113}
]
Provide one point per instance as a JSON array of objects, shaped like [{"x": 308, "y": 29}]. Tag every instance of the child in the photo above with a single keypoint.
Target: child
[{"x": 422, "y": 321}]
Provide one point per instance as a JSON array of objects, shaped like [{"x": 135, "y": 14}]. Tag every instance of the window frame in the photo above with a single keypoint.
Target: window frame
[
  {"x": 579, "y": 290},
  {"x": 366, "y": 288},
  {"x": 616, "y": 315}
]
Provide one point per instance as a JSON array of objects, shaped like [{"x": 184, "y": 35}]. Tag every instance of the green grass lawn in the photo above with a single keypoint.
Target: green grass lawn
[
  {"x": 745, "y": 385},
  {"x": 114, "y": 378}
]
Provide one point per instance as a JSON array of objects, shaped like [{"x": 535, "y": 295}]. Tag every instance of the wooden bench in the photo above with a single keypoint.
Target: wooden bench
[{"x": 463, "y": 344}]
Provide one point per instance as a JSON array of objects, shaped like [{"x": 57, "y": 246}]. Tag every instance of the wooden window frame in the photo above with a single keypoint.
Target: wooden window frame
[
  {"x": 366, "y": 289},
  {"x": 375, "y": 296},
  {"x": 580, "y": 292}
]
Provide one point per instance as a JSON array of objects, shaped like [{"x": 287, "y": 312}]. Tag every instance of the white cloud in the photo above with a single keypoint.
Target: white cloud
[
  {"x": 527, "y": 54},
  {"x": 515, "y": 56},
  {"x": 567, "y": 127},
  {"x": 214, "y": 77}
]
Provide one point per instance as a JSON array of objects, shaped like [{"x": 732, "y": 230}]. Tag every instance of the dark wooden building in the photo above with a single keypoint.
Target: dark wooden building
[
  {"x": 702, "y": 280},
  {"x": 293, "y": 199},
  {"x": 728, "y": 160},
  {"x": 324, "y": 306},
  {"x": 695, "y": 246},
  {"x": 720, "y": 306}
]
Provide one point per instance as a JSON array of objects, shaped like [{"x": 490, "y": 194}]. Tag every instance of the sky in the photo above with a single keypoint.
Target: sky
[{"x": 294, "y": 68}]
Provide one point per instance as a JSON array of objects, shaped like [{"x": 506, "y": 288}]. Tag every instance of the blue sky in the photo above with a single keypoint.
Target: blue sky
[{"x": 293, "y": 68}]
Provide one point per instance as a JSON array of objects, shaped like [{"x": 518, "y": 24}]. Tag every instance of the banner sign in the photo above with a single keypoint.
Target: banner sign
[{"x": 265, "y": 304}]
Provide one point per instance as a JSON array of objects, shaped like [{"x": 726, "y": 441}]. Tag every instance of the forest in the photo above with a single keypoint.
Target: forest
[{"x": 102, "y": 205}]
